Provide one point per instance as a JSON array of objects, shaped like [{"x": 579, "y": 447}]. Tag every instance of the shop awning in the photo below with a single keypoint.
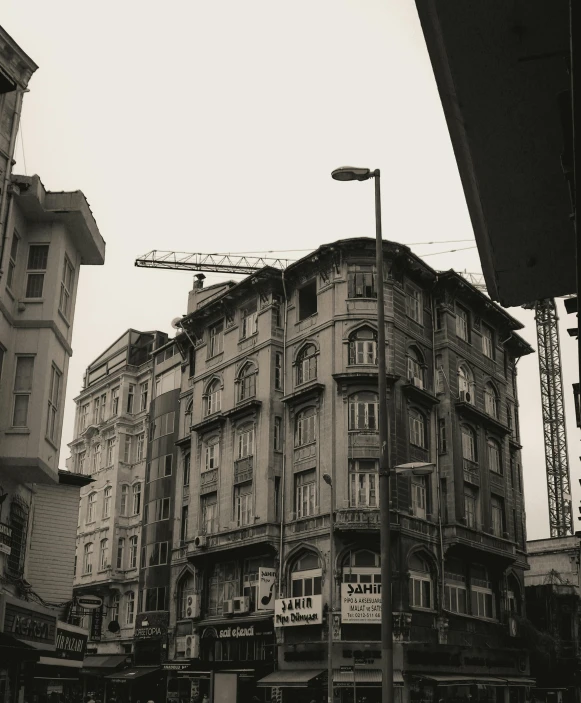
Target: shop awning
[
  {"x": 104, "y": 661},
  {"x": 132, "y": 674},
  {"x": 520, "y": 681},
  {"x": 363, "y": 677},
  {"x": 55, "y": 661},
  {"x": 463, "y": 679},
  {"x": 297, "y": 678},
  {"x": 13, "y": 649}
]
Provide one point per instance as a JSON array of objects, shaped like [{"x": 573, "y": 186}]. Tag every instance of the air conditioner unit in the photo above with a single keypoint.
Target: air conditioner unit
[
  {"x": 193, "y": 646},
  {"x": 228, "y": 607},
  {"x": 241, "y": 605},
  {"x": 417, "y": 382},
  {"x": 200, "y": 541},
  {"x": 465, "y": 396},
  {"x": 193, "y": 606}
]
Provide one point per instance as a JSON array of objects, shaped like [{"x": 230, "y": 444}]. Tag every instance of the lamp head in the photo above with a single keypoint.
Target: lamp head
[
  {"x": 327, "y": 479},
  {"x": 415, "y": 468},
  {"x": 351, "y": 173}
]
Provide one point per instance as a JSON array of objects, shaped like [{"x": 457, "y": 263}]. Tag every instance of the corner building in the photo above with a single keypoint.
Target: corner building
[{"x": 282, "y": 389}]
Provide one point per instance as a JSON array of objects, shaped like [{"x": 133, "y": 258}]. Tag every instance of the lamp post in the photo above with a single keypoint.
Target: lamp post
[
  {"x": 348, "y": 173},
  {"x": 328, "y": 480}
]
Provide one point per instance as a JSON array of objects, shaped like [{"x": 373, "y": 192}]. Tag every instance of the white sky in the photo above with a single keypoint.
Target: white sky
[{"x": 214, "y": 126}]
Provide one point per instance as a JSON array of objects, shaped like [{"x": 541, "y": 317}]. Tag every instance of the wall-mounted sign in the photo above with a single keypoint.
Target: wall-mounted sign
[
  {"x": 97, "y": 624},
  {"x": 307, "y": 610},
  {"x": 30, "y": 625},
  {"x": 151, "y": 625},
  {"x": 89, "y": 602},
  {"x": 266, "y": 587},
  {"x": 70, "y": 645},
  {"x": 5, "y": 539},
  {"x": 360, "y": 602}
]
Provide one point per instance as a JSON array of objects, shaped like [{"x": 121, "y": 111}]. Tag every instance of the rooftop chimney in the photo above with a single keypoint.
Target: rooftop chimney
[{"x": 199, "y": 282}]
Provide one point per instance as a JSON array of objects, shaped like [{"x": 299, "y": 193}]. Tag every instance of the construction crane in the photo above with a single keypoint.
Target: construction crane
[{"x": 553, "y": 407}]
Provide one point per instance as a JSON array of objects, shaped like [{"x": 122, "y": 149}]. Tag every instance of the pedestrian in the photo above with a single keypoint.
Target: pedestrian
[
  {"x": 205, "y": 699},
  {"x": 89, "y": 699}
]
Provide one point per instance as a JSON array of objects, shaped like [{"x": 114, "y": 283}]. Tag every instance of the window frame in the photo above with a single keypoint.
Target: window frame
[
  {"x": 359, "y": 407},
  {"x": 136, "y": 498},
  {"x": 414, "y": 304},
  {"x": 247, "y": 382},
  {"x": 208, "y": 525},
  {"x": 370, "y": 485},
  {"x": 87, "y": 558},
  {"x": 417, "y": 428},
  {"x": 12, "y": 259},
  {"x": 366, "y": 286},
  {"x": 462, "y": 323},
  {"x": 216, "y": 339},
  {"x": 244, "y": 504},
  {"x": 488, "y": 345},
  {"x": 91, "y": 508},
  {"x": 305, "y": 489},
  {"x": 23, "y": 392},
  {"x": 38, "y": 272},
  {"x": 363, "y": 349},
  {"x": 107, "y": 500},
  {"x": 306, "y": 427},
  {"x": 213, "y": 398},
  {"x": 306, "y": 364},
  {"x": 67, "y": 284},
  {"x": 103, "y": 554},
  {"x": 133, "y": 551},
  {"x": 54, "y": 398}
]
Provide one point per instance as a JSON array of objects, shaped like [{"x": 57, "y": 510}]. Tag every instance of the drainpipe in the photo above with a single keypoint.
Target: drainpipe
[
  {"x": 283, "y": 428},
  {"x": 8, "y": 173}
]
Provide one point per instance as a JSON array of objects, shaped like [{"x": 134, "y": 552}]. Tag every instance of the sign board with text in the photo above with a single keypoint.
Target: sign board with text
[
  {"x": 5, "y": 539},
  {"x": 266, "y": 588},
  {"x": 360, "y": 603},
  {"x": 29, "y": 623},
  {"x": 307, "y": 610}
]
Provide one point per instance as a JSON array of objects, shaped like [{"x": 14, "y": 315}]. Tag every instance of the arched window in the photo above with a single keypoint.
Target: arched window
[
  {"x": 187, "y": 601},
  {"x": 362, "y": 566},
  {"x": 455, "y": 592},
  {"x": 306, "y": 576},
  {"x": 188, "y": 416},
  {"x": 213, "y": 397},
  {"x": 421, "y": 587},
  {"x": 103, "y": 554},
  {"x": 88, "y": 558},
  {"x": 305, "y": 432},
  {"x": 491, "y": 400},
  {"x": 91, "y": 507},
  {"x": 363, "y": 347},
  {"x": 107, "y": 493},
  {"x": 307, "y": 364},
  {"x": 466, "y": 387},
  {"x": 494, "y": 456},
  {"x": 247, "y": 382},
  {"x": 513, "y": 596},
  {"x": 415, "y": 365},
  {"x": 363, "y": 411},
  {"x": 417, "y": 427},
  {"x": 469, "y": 452}
]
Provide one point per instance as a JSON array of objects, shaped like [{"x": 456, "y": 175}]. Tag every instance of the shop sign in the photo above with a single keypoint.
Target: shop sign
[
  {"x": 289, "y": 612},
  {"x": 360, "y": 602},
  {"x": 242, "y": 630},
  {"x": 89, "y": 602},
  {"x": 147, "y": 632},
  {"x": 70, "y": 645},
  {"x": 29, "y": 625},
  {"x": 97, "y": 624},
  {"x": 5, "y": 539},
  {"x": 175, "y": 667},
  {"x": 266, "y": 586}
]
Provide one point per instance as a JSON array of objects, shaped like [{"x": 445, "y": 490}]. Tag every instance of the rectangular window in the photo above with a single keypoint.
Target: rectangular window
[
  {"x": 419, "y": 496},
  {"x": 462, "y": 323},
  {"x": 216, "y": 339},
  {"x": 156, "y": 554},
  {"x": 120, "y": 551},
  {"x": 361, "y": 282},
  {"x": 130, "y": 398},
  {"x": 84, "y": 417},
  {"x": 212, "y": 455},
  {"x": 307, "y": 299},
  {"x": 246, "y": 443},
  {"x": 413, "y": 303},
  {"x": 497, "y": 515},
  {"x": 155, "y": 598},
  {"x": 115, "y": 401},
  {"x": 482, "y": 602},
  {"x": 184, "y": 524},
  {"x": 22, "y": 390},
  {"x": 110, "y": 449},
  {"x": 163, "y": 425},
  {"x": 12, "y": 260},
  {"x": 187, "y": 461},
  {"x": 81, "y": 456},
  {"x": 133, "y": 552},
  {"x": 305, "y": 493},
  {"x": 157, "y": 510},
  {"x": 487, "y": 341},
  {"x": 442, "y": 439},
  {"x": 37, "y": 262},
  {"x": 362, "y": 415},
  {"x": 54, "y": 394},
  {"x": 278, "y": 310},
  {"x": 278, "y": 371},
  {"x": 209, "y": 513},
  {"x": 278, "y": 434},
  {"x": 96, "y": 458},
  {"x": 306, "y": 583},
  {"x": 140, "y": 447},
  {"x": 136, "y": 499},
  {"x": 471, "y": 506},
  {"x": 243, "y": 504},
  {"x": 127, "y": 448},
  {"x": 124, "y": 499},
  {"x": 363, "y": 481},
  {"x": 104, "y": 555},
  {"x": 420, "y": 591},
  {"x": 129, "y": 608},
  {"x": 249, "y": 321},
  {"x": 143, "y": 394},
  {"x": 67, "y": 280},
  {"x": 455, "y": 598}
]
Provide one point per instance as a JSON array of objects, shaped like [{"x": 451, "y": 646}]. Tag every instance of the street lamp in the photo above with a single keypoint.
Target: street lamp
[
  {"x": 415, "y": 468},
  {"x": 329, "y": 481},
  {"x": 349, "y": 173}
]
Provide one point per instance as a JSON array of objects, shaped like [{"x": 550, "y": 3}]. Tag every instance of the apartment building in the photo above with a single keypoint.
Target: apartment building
[
  {"x": 45, "y": 238},
  {"x": 280, "y": 388},
  {"x": 110, "y": 445}
]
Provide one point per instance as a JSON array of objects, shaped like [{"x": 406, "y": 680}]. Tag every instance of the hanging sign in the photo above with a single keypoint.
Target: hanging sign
[
  {"x": 266, "y": 587},
  {"x": 360, "y": 602},
  {"x": 307, "y": 610},
  {"x": 89, "y": 602},
  {"x": 97, "y": 624}
]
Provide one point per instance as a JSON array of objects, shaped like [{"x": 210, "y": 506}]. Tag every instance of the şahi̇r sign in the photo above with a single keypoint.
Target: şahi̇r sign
[
  {"x": 360, "y": 602},
  {"x": 307, "y": 610}
]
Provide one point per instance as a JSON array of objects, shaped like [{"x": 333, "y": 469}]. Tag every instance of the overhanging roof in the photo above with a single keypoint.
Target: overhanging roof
[
  {"x": 500, "y": 68},
  {"x": 294, "y": 678}
]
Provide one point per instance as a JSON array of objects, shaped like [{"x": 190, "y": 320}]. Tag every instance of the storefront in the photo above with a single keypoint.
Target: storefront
[
  {"x": 30, "y": 628},
  {"x": 96, "y": 667}
]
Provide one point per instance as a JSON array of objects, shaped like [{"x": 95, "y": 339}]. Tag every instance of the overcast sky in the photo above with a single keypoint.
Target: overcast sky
[{"x": 214, "y": 126}]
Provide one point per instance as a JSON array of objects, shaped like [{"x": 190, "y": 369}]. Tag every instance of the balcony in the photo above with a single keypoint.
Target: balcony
[
  {"x": 357, "y": 519},
  {"x": 208, "y": 481},
  {"x": 251, "y": 534},
  {"x": 312, "y": 523},
  {"x": 473, "y": 538},
  {"x": 422, "y": 395},
  {"x": 418, "y": 526},
  {"x": 310, "y": 389},
  {"x": 243, "y": 469},
  {"x": 209, "y": 422},
  {"x": 471, "y": 412}
]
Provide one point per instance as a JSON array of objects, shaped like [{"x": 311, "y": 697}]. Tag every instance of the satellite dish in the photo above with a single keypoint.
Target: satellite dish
[
  {"x": 175, "y": 323},
  {"x": 113, "y": 626}
]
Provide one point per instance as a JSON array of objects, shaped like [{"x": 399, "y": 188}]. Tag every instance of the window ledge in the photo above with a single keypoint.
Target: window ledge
[
  {"x": 215, "y": 356},
  {"x": 17, "y": 430},
  {"x": 469, "y": 616},
  {"x": 31, "y": 301}
]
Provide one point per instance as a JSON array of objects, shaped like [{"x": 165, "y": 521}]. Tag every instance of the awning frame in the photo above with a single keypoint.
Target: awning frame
[{"x": 283, "y": 678}]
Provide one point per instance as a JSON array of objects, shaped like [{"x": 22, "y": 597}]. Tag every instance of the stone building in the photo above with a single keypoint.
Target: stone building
[
  {"x": 110, "y": 445},
  {"x": 280, "y": 388}
]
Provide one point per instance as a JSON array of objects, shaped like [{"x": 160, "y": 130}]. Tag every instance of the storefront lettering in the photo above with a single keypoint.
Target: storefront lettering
[
  {"x": 29, "y": 627},
  {"x": 306, "y": 610},
  {"x": 69, "y": 644},
  {"x": 236, "y": 632},
  {"x": 148, "y": 632},
  {"x": 363, "y": 589}
]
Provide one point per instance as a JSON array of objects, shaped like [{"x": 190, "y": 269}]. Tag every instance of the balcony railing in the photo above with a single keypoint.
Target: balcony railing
[
  {"x": 243, "y": 469},
  {"x": 478, "y": 538},
  {"x": 208, "y": 480}
]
